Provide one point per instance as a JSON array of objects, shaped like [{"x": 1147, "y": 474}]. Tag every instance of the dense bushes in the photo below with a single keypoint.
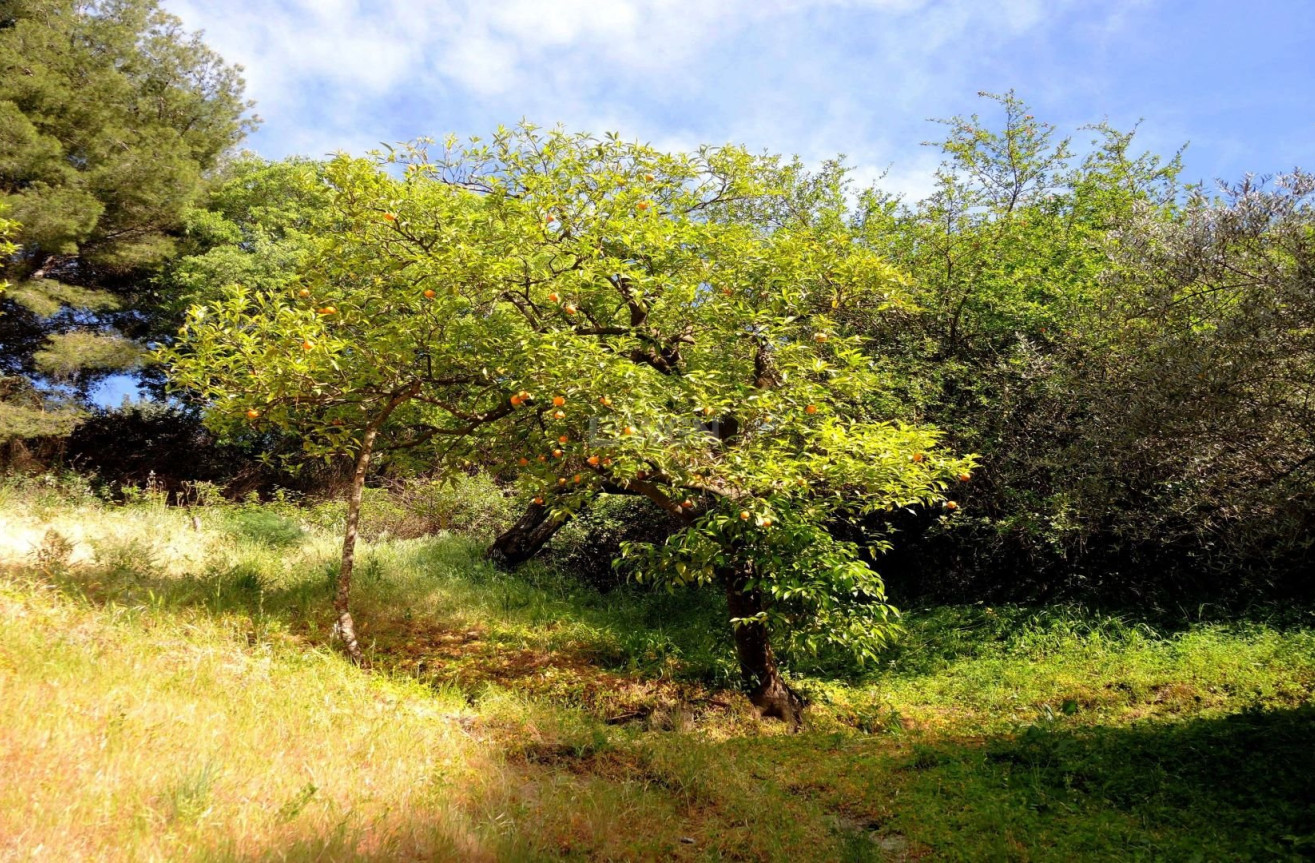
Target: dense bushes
[
  {"x": 590, "y": 544},
  {"x": 1132, "y": 360}
]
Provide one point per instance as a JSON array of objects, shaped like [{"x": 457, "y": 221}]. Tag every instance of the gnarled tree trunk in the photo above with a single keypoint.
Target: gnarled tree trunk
[
  {"x": 762, "y": 677},
  {"x": 525, "y": 538}
]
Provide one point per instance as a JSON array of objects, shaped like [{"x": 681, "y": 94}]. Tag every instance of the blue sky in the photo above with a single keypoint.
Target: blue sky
[{"x": 1235, "y": 78}]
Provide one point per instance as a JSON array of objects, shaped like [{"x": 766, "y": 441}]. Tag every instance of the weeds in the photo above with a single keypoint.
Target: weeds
[{"x": 170, "y": 693}]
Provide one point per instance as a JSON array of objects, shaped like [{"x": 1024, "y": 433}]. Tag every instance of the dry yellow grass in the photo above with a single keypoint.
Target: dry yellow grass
[{"x": 170, "y": 693}]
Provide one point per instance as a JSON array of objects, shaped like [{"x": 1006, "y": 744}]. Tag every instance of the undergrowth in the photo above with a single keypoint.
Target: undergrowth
[{"x": 169, "y": 690}]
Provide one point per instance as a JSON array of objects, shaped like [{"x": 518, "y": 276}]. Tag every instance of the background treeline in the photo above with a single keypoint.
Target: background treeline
[{"x": 1131, "y": 358}]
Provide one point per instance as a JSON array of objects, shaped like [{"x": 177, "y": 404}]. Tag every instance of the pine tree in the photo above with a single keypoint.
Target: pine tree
[{"x": 111, "y": 114}]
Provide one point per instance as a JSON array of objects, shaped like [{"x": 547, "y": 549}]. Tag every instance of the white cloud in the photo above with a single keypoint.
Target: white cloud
[{"x": 812, "y": 77}]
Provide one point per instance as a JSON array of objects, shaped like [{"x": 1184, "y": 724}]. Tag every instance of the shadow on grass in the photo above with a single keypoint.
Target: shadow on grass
[
  {"x": 435, "y": 610},
  {"x": 1231, "y": 788}
]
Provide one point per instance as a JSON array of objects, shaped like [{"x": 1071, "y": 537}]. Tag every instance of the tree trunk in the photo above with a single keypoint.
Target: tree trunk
[
  {"x": 762, "y": 678},
  {"x": 346, "y": 629},
  {"x": 525, "y": 538}
]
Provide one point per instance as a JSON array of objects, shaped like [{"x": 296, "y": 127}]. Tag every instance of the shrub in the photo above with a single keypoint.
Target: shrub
[{"x": 588, "y": 545}]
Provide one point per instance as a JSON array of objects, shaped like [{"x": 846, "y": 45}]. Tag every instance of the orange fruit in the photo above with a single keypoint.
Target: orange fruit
[
  {"x": 686, "y": 504},
  {"x": 576, "y": 477},
  {"x": 328, "y": 310},
  {"x": 515, "y": 401},
  {"x": 594, "y": 460},
  {"x": 917, "y": 457},
  {"x": 707, "y": 412},
  {"x": 951, "y": 505},
  {"x": 252, "y": 414},
  {"x": 648, "y": 177},
  {"x": 556, "y": 453},
  {"x": 628, "y": 430},
  {"x": 561, "y": 480},
  {"x": 552, "y": 298},
  {"x": 539, "y": 501},
  {"x": 569, "y": 309},
  {"x": 429, "y": 293},
  {"x": 558, "y": 415},
  {"x": 543, "y": 458},
  {"x": 744, "y": 515},
  {"x": 642, "y": 205},
  {"x": 563, "y": 439},
  {"x": 303, "y": 293},
  {"x": 767, "y": 522},
  {"x": 522, "y": 461},
  {"x": 558, "y": 401},
  {"x": 306, "y": 345},
  {"x": 390, "y": 217},
  {"x": 820, "y": 337},
  {"x": 607, "y": 462},
  {"x": 551, "y": 218},
  {"x": 605, "y": 401},
  {"x": 811, "y": 409},
  {"x": 964, "y": 477},
  {"x": 524, "y": 395}
]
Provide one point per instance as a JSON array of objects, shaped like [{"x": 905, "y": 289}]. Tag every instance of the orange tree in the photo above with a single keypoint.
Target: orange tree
[
  {"x": 305, "y": 331},
  {"x": 607, "y": 318}
]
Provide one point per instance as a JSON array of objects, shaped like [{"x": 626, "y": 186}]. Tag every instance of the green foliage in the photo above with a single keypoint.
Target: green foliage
[
  {"x": 67, "y": 353},
  {"x": 590, "y": 315},
  {"x": 1112, "y": 345},
  {"x": 110, "y": 114}
]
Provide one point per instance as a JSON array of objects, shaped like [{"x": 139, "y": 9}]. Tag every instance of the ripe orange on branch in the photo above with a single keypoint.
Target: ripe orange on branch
[
  {"x": 430, "y": 294},
  {"x": 593, "y": 460},
  {"x": 252, "y": 414},
  {"x": 558, "y": 401}
]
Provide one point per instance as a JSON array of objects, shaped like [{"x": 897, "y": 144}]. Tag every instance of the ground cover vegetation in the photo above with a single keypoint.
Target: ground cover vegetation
[
  {"x": 170, "y": 692},
  {"x": 596, "y": 455}
]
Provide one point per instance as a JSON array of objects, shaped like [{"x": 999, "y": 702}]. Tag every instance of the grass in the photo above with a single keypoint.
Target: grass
[{"x": 170, "y": 693}]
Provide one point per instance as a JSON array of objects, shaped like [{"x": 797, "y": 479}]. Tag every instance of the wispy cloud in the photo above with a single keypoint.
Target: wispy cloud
[{"x": 812, "y": 77}]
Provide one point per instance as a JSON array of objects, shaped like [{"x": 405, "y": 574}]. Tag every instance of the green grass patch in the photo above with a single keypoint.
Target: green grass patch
[{"x": 171, "y": 692}]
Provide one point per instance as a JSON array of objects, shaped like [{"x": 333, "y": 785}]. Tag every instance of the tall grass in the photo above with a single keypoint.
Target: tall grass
[{"x": 169, "y": 691}]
